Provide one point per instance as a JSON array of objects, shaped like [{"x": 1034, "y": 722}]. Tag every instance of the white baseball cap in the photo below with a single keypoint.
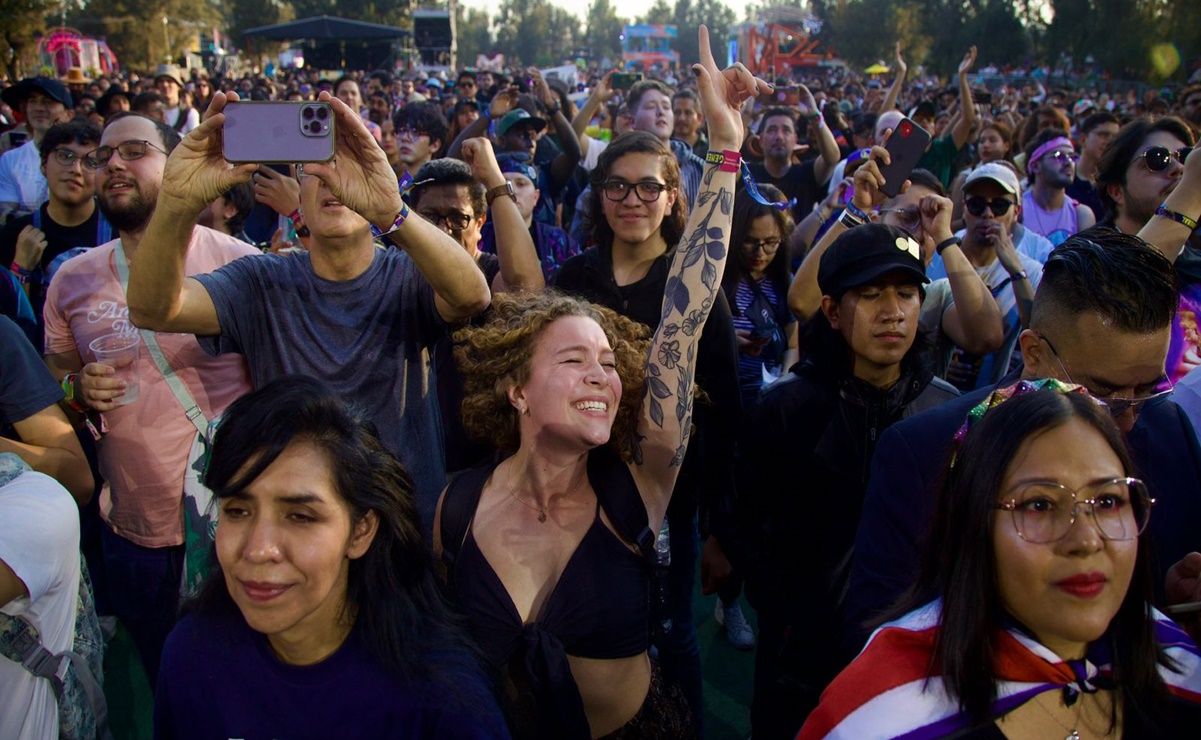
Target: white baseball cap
[{"x": 1001, "y": 172}]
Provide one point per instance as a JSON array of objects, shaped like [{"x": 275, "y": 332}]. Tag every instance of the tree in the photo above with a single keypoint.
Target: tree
[
  {"x": 135, "y": 31},
  {"x": 24, "y": 20},
  {"x": 534, "y": 32},
  {"x": 659, "y": 14},
  {"x": 246, "y": 14},
  {"x": 474, "y": 28},
  {"x": 603, "y": 36},
  {"x": 690, "y": 15}
]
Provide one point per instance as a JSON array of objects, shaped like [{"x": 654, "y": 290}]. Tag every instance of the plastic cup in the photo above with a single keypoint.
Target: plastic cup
[{"x": 120, "y": 351}]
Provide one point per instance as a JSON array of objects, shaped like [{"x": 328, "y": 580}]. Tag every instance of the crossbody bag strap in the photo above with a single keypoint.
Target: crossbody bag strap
[{"x": 178, "y": 389}]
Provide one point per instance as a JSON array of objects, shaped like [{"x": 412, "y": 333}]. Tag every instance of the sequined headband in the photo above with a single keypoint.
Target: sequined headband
[{"x": 1001, "y": 395}]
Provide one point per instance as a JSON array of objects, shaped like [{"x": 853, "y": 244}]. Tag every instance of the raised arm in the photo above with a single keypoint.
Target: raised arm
[
  {"x": 1165, "y": 233},
  {"x": 501, "y": 103},
  {"x": 600, "y": 96},
  {"x": 898, "y": 84},
  {"x": 821, "y": 135},
  {"x": 519, "y": 266},
  {"x": 161, "y": 297},
  {"x": 363, "y": 181},
  {"x": 692, "y": 287},
  {"x": 962, "y": 129},
  {"x": 563, "y": 165}
]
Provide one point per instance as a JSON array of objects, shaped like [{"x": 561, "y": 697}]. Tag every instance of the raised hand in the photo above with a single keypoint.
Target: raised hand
[
  {"x": 722, "y": 94},
  {"x": 196, "y": 172},
  {"x": 935, "y": 212},
  {"x": 969, "y": 60},
  {"x": 478, "y": 154},
  {"x": 280, "y": 193},
  {"x": 902, "y": 68},
  {"x": 604, "y": 91},
  {"x": 869, "y": 181},
  {"x": 359, "y": 175},
  {"x": 31, "y": 242},
  {"x": 542, "y": 90},
  {"x": 808, "y": 104},
  {"x": 502, "y": 102}
]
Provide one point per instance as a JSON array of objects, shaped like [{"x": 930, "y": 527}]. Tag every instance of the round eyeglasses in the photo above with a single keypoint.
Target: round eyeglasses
[
  {"x": 1044, "y": 511},
  {"x": 1159, "y": 158}
]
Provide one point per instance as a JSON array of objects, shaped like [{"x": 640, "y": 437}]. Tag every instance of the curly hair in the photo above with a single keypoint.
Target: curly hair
[{"x": 496, "y": 356}]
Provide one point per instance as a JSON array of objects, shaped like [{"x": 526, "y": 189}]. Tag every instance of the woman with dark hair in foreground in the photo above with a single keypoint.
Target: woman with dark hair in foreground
[
  {"x": 1039, "y": 624},
  {"x": 325, "y": 618}
]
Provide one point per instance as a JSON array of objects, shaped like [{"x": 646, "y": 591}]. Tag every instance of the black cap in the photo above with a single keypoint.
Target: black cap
[
  {"x": 866, "y": 252},
  {"x": 52, "y": 88}
]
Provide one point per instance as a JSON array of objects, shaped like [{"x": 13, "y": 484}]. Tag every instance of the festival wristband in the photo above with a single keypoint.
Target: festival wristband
[
  {"x": 953, "y": 241},
  {"x": 22, "y": 274},
  {"x": 378, "y": 233},
  {"x": 858, "y": 212},
  {"x": 848, "y": 220},
  {"x": 1164, "y": 211},
  {"x": 1018, "y": 276},
  {"x": 752, "y": 189},
  {"x": 70, "y": 384},
  {"x": 295, "y": 217},
  {"x": 726, "y": 161}
]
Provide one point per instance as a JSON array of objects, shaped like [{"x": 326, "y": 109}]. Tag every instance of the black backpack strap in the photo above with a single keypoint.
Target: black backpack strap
[
  {"x": 181, "y": 120},
  {"x": 619, "y": 496},
  {"x": 458, "y": 507}
]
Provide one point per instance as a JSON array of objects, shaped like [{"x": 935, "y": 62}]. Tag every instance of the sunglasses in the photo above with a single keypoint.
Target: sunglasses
[
  {"x": 976, "y": 205},
  {"x": 129, "y": 151},
  {"x": 1159, "y": 158},
  {"x": 1060, "y": 157}
]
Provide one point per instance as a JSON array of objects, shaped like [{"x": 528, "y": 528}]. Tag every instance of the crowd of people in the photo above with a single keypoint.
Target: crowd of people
[{"x": 432, "y": 438}]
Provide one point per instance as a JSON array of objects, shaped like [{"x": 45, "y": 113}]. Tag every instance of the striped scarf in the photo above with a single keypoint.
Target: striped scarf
[{"x": 888, "y": 692}]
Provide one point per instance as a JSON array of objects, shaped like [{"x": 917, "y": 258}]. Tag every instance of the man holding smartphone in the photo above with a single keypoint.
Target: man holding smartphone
[{"x": 362, "y": 319}]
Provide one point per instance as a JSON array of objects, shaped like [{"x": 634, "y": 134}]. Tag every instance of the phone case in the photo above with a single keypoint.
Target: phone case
[
  {"x": 906, "y": 146},
  {"x": 270, "y": 132}
]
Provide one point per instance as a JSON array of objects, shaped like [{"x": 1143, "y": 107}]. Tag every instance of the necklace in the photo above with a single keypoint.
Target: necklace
[
  {"x": 542, "y": 513},
  {"x": 1073, "y": 733}
]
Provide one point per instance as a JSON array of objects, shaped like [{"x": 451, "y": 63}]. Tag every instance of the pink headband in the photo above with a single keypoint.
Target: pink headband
[{"x": 1052, "y": 144}]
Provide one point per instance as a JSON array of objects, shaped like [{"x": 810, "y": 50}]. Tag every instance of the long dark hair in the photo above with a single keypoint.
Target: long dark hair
[
  {"x": 960, "y": 563},
  {"x": 746, "y": 211},
  {"x": 637, "y": 142},
  {"x": 400, "y": 612}
]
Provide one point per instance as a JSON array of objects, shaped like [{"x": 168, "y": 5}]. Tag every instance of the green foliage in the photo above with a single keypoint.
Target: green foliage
[
  {"x": 23, "y": 21},
  {"x": 689, "y": 15},
  {"x": 474, "y": 29},
  {"x": 134, "y": 29},
  {"x": 603, "y": 37},
  {"x": 534, "y": 32},
  {"x": 658, "y": 14}
]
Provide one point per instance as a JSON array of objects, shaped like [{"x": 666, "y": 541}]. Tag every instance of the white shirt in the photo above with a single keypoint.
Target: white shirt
[
  {"x": 171, "y": 115},
  {"x": 39, "y": 540},
  {"x": 21, "y": 178}
]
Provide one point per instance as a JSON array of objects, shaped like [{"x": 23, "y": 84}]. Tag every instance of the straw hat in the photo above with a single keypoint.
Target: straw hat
[{"x": 75, "y": 76}]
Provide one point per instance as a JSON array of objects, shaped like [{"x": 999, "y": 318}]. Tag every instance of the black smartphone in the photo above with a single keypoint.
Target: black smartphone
[
  {"x": 905, "y": 147},
  {"x": 624, "y": 80}
]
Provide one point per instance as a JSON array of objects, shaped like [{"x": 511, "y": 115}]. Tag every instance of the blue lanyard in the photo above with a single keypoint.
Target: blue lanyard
[{"x": 752, "y": 189}]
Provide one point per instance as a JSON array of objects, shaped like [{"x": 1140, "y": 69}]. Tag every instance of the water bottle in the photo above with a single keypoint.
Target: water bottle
[{"x": 662, "y": 565}]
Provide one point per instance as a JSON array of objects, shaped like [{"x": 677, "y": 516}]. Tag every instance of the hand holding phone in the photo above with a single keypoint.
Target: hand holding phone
[
  {"x": 905, "y": 147},
  {"x": 625, "y": 80}
]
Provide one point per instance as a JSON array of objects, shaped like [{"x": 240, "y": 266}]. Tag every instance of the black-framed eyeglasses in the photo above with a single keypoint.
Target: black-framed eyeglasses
[
  {"x": 1117, "y": 405},
  {"x": 647, "y": 191},
  {"x": 129, "y": 151},
  {"x": 408, "y": 132},
  {"x": 455, "y": 220},
  {"x": 1159, "y": 158},
  {"x": 67, "y": 157},
  {"x": 768, "y": 246},
  {"x": 1045, "y": 511},
  {"x": 907, "y": 218},
  {"x": 975, "y": 205}
]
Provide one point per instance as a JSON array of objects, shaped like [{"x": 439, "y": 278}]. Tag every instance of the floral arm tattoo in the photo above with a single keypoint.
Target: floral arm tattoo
[{"x": 692, "y": 287}]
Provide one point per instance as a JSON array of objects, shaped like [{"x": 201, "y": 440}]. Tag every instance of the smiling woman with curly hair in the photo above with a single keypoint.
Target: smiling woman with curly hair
[{"x": 549, "y": 550}]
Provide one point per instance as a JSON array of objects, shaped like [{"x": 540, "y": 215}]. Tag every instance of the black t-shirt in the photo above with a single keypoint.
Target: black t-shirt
[
  {"x": 1085, "y": 193},
  {"x": 798, "y": 184},
  {"x": 58, "y": 238}
]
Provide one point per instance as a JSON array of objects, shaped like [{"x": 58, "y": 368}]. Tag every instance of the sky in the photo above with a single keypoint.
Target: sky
[{"x": 628, "y": 9}]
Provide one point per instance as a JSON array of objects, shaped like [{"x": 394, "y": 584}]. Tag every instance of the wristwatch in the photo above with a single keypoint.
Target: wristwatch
[{"x": 498, "y": 191}]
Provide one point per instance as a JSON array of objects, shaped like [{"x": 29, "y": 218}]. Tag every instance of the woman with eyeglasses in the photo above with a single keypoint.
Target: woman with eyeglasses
[
  {"x": 1031, "y": 616},
  {"x": 551, "y": 550},
  {"x": 756, "y": 286}
]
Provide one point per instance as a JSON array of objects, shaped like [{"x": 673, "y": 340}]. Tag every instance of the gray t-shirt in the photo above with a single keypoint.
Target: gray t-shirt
[
  {"x": 935, "y": 305},
  {"x": 370, "y": 338}
]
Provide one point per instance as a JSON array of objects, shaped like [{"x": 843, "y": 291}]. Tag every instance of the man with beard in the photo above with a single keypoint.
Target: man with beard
[
  {"x": 1138, "y": 179},
  {"x": 801, "y": 182},
  {"x": 42, "y": 102},
  {"x": 1096, "y": 131},
  {"x": 144, "y": 454},
  {"x": 35, "y": 244},
  {"x": 1051, "y": 164}
]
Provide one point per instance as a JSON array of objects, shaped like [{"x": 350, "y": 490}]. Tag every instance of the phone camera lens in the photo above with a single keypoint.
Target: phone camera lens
[
  {"x": 315, "y": 127},
  {"x": 323, "y": 113},
  {"x": 308, "y": 113}
]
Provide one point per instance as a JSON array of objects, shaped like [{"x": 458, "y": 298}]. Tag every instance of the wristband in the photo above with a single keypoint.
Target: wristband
[
  {"x": 726, "y": 161},
  {"x": 849, "y": 219},
  {"x": 858, "y": 212},
  {"x": 1017, "y": 276},
  {"x": 813, "y": 117},
  {"x": 296, "y": 218},
  {"x": 19, "y": 271},
  {"x": 947, "y": 243},
  {"x": 378, "y": 233},
  {"x": 1163, "y": 210},
  {"x": 69, "y": 385}
]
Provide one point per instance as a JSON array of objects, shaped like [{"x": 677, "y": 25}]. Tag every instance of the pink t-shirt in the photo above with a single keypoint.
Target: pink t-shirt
[{"x": 143, "y": 456}]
